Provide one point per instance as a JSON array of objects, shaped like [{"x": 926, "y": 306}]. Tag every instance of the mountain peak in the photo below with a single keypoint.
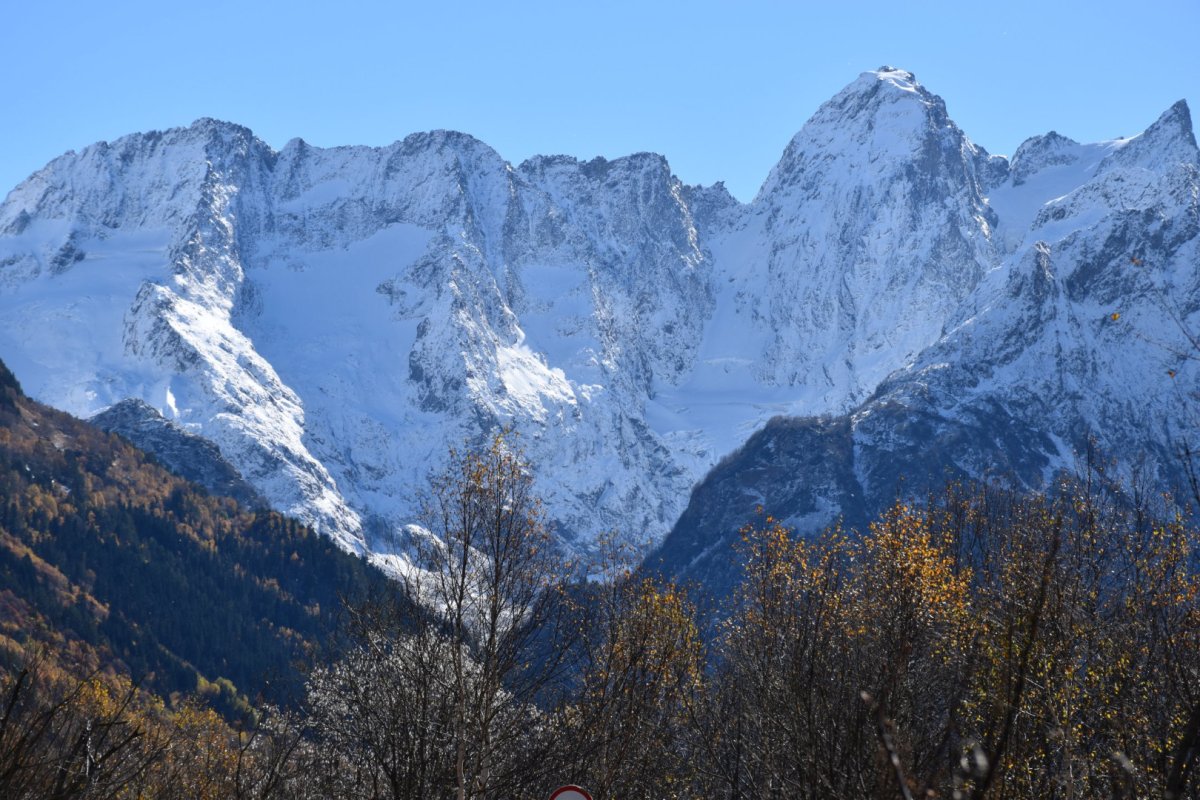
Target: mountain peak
[
  {"x": 883, "y": 117},
  {"x": 223, "y": 134},
  {"x": 1180, "y": 112},
  {"x": 440, "y": 139},
  {"x": 1176, "y": 123},
  {"x": 900, "y": 78},
  {"x": 214, "y": 124},
  {"x": 1169, "y": 138},
  {"x": 888, "y": 79},
  {"x": 1039, "y": 152}
]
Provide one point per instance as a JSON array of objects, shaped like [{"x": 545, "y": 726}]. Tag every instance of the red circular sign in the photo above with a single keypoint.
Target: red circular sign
[{"x": 570, "y": 793}]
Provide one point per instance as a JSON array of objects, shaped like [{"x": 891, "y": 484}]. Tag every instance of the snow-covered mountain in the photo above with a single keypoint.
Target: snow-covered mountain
[
  {"x": 1080, "y": 343},
  {"x": 333, "y": 320}
]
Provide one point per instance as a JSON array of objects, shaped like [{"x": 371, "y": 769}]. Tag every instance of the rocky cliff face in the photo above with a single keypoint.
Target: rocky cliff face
[
  {"x": 1080, "y": 341},
  {"x": 186, "y": 454},
  {"x": 333, "y": 320}
]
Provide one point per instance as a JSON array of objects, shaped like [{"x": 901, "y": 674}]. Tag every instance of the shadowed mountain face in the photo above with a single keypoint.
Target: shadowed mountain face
[
  {"x": 333, "y": 320},
  {"x": 185, "y": 454}
]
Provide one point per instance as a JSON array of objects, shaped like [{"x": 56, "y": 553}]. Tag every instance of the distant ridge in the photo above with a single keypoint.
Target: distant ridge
[{"x": 333, "y": 320}]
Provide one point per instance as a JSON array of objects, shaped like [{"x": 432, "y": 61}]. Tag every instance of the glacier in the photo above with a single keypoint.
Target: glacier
[{"x": 333, "y": 320}]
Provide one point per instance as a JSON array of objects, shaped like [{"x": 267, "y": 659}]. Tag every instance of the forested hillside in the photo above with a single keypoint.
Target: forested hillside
[
  {"x": 982, "y": 644},
  {"x": 109, "y": 562}
]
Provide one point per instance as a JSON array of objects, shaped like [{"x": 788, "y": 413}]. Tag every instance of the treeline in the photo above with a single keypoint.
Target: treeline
[
  {"x": 110, "y": 564},
  {"x": 984, "y": 644}
]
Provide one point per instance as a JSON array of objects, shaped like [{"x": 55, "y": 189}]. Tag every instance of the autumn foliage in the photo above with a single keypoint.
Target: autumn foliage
[
  {"x": 986, "y": 644},
  {"x": 981, "y": 643}
]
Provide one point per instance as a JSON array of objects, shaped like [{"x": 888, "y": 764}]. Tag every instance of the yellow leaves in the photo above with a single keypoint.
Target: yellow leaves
[
  {"x": 653, "y": 651},
  {"x": 1042, "y": 607},
  {"x": 897, "y": 575},
  {"x": 910, "y": 578}
]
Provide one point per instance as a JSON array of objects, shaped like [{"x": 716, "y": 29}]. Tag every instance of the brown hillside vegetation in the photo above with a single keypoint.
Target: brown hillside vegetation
[
  {"x": 990, "y": 645},
  {"x": 983, "y": 644},
  {"x": 108, "y": 562},
  {"x": 139, "y": 616}
]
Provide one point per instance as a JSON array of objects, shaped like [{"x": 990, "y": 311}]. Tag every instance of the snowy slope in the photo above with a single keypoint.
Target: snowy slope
[
  {"x": 1080, "y": 340},
  {"x": 334, "y": 319},
  {"x": 863, "y": 241}
]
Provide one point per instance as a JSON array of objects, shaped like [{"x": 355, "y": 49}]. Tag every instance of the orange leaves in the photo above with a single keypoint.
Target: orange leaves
[
  {"x": 899, "y": 567},
  {"x": 910, "y": 583},
  {"x": 662, "y": 623},
  {"x": 1047, "y": 630}
]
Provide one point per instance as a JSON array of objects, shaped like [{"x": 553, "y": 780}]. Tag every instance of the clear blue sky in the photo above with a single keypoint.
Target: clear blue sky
[{"x": 717, "y": 87}]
